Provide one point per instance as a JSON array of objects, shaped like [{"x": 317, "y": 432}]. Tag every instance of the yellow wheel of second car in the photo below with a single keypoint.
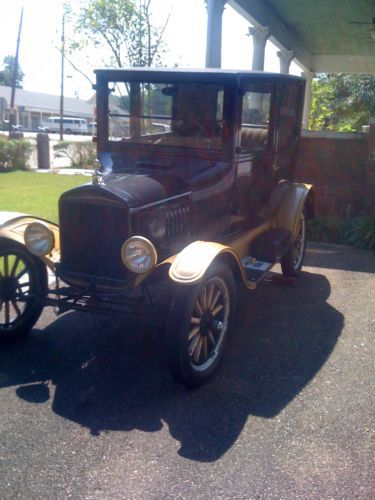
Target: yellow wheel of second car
[
  {"x": 198, "y": 324},
  {"x": 23, "y": 286}
]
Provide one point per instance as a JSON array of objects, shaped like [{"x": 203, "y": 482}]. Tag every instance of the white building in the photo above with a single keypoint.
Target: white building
[{"x": 33, "y": 107}]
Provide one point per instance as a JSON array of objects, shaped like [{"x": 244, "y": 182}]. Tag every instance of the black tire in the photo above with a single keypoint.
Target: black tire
[
  {"x": 68, "y": 131},
  {"x": 198, "y": 323},
  {"x": 23, "y": 287},
  {"x": 292, "y": 261}
]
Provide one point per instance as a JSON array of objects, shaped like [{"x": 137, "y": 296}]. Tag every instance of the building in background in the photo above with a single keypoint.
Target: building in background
[{"x": 33, "y": 107}]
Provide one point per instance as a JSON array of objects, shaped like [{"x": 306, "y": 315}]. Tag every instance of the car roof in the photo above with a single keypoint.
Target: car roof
[{"x": 208, "y": 74}]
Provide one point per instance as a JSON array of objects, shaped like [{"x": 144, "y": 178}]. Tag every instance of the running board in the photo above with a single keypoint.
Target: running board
[{"x": 255, "y": 270}]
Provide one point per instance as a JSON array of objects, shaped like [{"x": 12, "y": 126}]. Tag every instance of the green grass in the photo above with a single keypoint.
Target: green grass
[{"x": 35, "y": 193}]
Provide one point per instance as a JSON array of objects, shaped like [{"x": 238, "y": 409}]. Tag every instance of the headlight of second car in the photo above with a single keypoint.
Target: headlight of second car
[
  {"x": 138, "y": 254},
  {"x": 39, "y": 239}
]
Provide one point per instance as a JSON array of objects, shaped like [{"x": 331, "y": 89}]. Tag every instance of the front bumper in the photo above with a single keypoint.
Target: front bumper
[{"x": 122, "y": 302}]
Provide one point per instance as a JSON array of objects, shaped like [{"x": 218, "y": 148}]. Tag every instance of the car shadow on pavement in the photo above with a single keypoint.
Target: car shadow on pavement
[{"x": 108, "y": 376}]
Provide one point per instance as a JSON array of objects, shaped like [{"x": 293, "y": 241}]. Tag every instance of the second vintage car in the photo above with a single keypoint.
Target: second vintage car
[{"x": 192, "y": 194}]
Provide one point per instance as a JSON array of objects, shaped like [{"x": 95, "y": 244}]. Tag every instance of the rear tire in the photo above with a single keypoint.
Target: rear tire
[
  {"x": 23, "y": 287},
  {"x": 198, "y": 324},
  {"x": 292, "y": 261}
]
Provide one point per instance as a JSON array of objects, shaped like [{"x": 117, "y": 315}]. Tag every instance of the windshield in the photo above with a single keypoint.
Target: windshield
[{"x": 166, "y": 114}]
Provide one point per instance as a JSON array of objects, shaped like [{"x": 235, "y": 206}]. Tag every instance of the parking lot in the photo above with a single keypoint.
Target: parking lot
[{"x": 88, "y": 409}]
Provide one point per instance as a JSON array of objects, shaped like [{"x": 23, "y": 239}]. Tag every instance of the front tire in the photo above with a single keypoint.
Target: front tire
[
  {"x": 197, "y": 327},
  {"x": 23, "y": 286},
  {"x": 292, "y": 261}
]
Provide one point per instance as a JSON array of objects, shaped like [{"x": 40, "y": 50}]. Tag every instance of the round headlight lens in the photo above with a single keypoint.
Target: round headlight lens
[
  {"x": 39, "y": 239},
  {"x": 138, "y": 254}
]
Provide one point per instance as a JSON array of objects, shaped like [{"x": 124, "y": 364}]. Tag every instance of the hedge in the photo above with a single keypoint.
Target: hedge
[
  {"x": 14, "y": 153},
  {"x": 80, "y": 153}
]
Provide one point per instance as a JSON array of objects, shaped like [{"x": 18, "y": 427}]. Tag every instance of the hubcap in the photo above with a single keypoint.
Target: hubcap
[
  {"x": 15, "y": 278},
  {"x": 208, "y": 324}
]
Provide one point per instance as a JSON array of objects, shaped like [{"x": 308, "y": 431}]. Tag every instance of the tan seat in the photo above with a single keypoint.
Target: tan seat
[{"x": 252, "y": 138}]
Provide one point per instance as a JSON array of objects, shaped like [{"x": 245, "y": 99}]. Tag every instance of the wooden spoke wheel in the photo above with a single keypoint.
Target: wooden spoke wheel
[
  {"x": 198, "y": 324},
  {"x": 292, "y": 261},
  {"x": 23, "y": 285}
]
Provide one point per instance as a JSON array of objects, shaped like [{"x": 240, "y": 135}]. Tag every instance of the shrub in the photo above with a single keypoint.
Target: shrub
[
  {"x": 80, "y": 153},
  {"x": 14, "y": 153},
  {"x": 357, "y": 231}
]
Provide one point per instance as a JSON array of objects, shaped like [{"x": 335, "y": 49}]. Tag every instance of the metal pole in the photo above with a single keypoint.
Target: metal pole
[
  {"x": 12, "y": 114},
  {"x": 62, "y": 78}
]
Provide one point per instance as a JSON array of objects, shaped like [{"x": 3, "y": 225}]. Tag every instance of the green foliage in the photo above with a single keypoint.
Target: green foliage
[
  {"x": 80, "y": 153},
  {"x": 14, "y": 154},
  {"x": 358, "y": 231},
  {"x": 6, "y": 75},
  {"x": 124, "y": 27},
  {"x": 343, "y": 102}
]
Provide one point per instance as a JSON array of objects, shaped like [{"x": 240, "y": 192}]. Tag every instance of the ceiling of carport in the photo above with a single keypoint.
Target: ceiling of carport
[{"x": 325, "y": 35}]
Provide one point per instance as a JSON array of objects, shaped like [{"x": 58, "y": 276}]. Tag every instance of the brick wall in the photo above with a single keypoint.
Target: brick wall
[{"x": 341, "y": 168}]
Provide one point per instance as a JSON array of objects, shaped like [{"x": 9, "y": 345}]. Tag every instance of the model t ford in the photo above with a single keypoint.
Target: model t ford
[{"x": 193, "y": 191}]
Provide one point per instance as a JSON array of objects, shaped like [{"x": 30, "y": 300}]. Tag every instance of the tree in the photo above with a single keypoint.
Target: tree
[
  {"x": 342, "y": 101},
  {"x": 6, "y": 75},
  {"x": 124, "y": 28}
]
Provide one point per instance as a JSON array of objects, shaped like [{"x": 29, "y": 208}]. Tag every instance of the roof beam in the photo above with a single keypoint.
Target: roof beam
[
  {"x": 343, "y": 64},
  {"x": 258, "y": 13}
]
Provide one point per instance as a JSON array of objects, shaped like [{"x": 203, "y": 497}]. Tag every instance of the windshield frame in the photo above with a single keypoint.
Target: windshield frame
[{"x": 228, "y": 115}]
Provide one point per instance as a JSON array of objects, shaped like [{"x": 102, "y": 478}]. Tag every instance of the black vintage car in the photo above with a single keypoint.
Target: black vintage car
[{"x": 192, "y": 193}]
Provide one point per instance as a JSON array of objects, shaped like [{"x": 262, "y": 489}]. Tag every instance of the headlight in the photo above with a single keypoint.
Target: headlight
[
  {"x": 39, "y": 239},
  {"x": 138, "y": 254}
]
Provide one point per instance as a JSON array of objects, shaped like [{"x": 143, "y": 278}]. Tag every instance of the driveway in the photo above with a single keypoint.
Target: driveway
[{"x": 88, "y": 409}]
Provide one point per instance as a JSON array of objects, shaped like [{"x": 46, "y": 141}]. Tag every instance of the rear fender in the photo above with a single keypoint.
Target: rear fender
[
  {"x": 297, "y": 197},
  {"x": 13, "y": 225}
]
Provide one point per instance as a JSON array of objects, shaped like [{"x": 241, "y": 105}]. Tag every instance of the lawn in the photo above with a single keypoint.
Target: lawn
[{"x": 35, "y": 193}]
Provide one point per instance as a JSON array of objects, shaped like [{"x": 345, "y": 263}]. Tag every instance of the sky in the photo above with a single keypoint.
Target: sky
[{"x": 185, "y": 37}]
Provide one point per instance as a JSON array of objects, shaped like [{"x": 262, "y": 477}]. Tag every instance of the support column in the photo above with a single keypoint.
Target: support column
[
  {"x": 286, "y": 57},
  {"x": 308, "y": 75},
  {"x": 260, "y": 35},
  {"x": 215, "y": 9}
]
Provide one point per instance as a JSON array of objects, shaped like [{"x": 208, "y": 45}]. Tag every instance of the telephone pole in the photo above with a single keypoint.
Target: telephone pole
[
  {"x": 62, "y": 78},
  {"x": 12, "y": 111}
]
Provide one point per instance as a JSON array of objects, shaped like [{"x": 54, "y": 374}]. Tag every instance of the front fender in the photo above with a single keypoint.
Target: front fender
[
  {"x": 13, "y": 225},
  {"x": 192, "y": 262},
  {"x": 288, "y": 214}
]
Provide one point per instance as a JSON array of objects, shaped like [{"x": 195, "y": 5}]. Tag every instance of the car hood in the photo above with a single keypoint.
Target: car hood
[{"x": 136, "y": 188}]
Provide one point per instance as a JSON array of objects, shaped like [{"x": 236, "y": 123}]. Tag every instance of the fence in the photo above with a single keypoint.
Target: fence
[{"x": 342, "y": 168}]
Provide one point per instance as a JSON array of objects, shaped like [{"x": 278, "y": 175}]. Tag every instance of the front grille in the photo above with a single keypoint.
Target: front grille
[
  {"x": 92, "y": 232},
  {"x": 177, "y": 222}
]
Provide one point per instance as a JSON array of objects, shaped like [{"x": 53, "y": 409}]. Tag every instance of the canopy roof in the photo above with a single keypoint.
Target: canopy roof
[{"x": 325, "y": 35}]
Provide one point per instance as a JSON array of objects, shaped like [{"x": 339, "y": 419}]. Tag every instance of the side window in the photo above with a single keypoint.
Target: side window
[
  {"x": 156, "y": 109},
  {"x": 255, "y": 118}
]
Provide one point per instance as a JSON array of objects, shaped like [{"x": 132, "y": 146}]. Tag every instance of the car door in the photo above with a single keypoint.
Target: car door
[
  {"x": 255, "y": 151},
  {"x": 288, "y": 127}
]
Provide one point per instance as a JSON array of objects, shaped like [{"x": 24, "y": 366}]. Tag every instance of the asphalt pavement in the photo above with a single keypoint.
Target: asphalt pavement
[{"x": 88, "y": 409}]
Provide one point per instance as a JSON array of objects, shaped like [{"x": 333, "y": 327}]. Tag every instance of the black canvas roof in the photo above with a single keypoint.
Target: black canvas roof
[{"x": 208, "y": 74}]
